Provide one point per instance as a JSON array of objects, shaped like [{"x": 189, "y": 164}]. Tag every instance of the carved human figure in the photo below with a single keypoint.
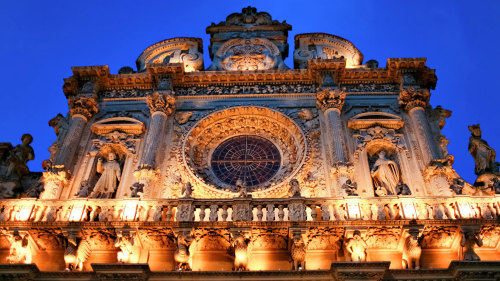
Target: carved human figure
[
  {"x": 294, "y": 190},
  {"x": 84, "y": 189},
  {"x": 242, "y": 189},
  {"x": 411, "y": 252},
  {"x": 110, "y": 175},
  {"x": 19, "y": 251},
  {"x": 16, "y": 166},
  {"x": 350, "y": 188},
  {"x": 482, "y": 153},
  {"x": 457, "y": 186},
  {"x": 240, "y": 253},
  {"x": 469, "y": 240},
  {"x": 385, "y": 175},
  {"x": 357, "y": 247},
  {"x": 187, "y": 190},
  {"x": 181, "y": 254},
  {"x": 126, "y": 245}
]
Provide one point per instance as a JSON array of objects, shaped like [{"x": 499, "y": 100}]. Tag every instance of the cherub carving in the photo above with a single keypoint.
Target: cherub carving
[{"x": 294, "y": 190}]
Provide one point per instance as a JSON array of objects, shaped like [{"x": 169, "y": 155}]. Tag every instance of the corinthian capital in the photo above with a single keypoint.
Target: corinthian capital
[
  {"x": 83, "y": 106},
  {"x": 411, "y": 98},
  {"x": 327, "y": 99},
  {"x": 159, "y": 102}
]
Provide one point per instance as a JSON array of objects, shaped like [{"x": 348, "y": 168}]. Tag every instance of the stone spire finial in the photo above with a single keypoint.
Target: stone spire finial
[
  {"x": 159, "y": 102},
  {"x": 84, "y": 106},
  {"x": 328, "y": 98},
  {"x": 410, "y": 98}
]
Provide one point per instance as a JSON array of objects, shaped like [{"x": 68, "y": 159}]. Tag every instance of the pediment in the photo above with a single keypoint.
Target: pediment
[
  {"x": 369, "y": 119},
  {"x": 125, "y": 124}
]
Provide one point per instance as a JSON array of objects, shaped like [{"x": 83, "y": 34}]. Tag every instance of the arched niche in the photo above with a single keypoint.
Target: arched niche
[{"x": 120, "y": 135}]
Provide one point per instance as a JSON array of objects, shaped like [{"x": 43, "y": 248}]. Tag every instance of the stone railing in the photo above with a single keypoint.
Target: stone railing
[{"x": 249, "y": 209}]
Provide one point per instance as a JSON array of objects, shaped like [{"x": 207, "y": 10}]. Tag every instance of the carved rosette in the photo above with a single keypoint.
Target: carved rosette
[
  {"x": 411, "y": 98},
  {"x": 161, "y": 102},
  {"x": 82, "y": 106},
  {"x": 330, "y": 99}
]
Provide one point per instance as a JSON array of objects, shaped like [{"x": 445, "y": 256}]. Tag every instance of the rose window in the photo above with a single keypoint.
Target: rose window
[{"x": 252, "y": 159}]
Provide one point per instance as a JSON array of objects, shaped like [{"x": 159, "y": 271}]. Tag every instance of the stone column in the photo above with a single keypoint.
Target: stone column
[
  {"x": 331, "y": 102},
  {"x": 55, "y": 178},
  {"x": 161, "y": 105},
  {"x": 414, "y": 102}
]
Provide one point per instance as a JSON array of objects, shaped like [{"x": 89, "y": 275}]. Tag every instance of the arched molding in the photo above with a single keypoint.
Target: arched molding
[{"x": 211, "y": 131}]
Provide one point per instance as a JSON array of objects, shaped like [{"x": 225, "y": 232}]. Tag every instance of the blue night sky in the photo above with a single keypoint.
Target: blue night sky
[{"x": 41, "y": 40}]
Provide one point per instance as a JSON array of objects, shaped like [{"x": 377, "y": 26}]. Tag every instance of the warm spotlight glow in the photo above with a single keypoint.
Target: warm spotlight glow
[
  {"x": 353, "y": 209},
  {"x": 130, "y": 211},
  {"x": 24, "y": 213},
  {"x": 465, "y": 209},
  {"x": 409, "y": 210},
  {"x": 77, "y": 213}
]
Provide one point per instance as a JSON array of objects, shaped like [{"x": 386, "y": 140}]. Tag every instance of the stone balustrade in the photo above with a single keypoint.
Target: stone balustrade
[{"x": 248, "y": 209}]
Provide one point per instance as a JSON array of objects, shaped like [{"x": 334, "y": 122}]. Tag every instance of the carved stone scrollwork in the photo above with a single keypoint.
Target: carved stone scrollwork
[
  {"x": 297, "y": 212},
  {"x": 147, "y": 177},
  {"x": 185, "y": 211},
  {"x": 410, "y": 98},
  {"x": 363, "y": 137},
  {"x": 161, "y": 102},
  {"x": 54, "y": 181},
  {"x": 242, "y": 212},
  {"x": 82, "y": 106},
  {"x": 330, "y": 99},
  {"x": 20, "y": 250}
]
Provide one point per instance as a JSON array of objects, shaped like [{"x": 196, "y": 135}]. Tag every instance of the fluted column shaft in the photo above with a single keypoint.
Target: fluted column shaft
[
  {"x": 158, "y": 121},
  {"x": 334, "y": 134},
  {"x": 66, "y": 152},
  {"x": 423, "y": 134}
]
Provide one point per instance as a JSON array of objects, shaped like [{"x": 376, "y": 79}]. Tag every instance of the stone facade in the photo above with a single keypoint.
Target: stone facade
[{"x": 334, "y": 168}]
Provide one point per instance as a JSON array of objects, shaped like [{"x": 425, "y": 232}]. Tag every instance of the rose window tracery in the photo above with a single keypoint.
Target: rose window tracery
[
  {"x": 260, "y": 146},
  {"x": 252, "y": 159}
]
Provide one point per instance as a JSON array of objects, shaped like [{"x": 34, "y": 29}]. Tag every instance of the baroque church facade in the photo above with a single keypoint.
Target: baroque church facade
[{"x": 247, "y": 169}]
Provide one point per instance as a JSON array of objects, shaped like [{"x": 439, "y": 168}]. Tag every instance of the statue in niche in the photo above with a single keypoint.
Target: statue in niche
[
  {"x": 351, "y": 188},
  {"x": 357, "y": 247},
  {"x": 385, "y": 175},
  {"x": 294, "y": 190},
  {"x": 483, "y": 154},
  {"x": 110, "y": 175}
]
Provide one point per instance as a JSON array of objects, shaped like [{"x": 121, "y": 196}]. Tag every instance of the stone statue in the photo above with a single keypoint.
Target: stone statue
[
  {"x": 240, "y": 253},
  {"x": 126, "y": 244},
  {"x": 351, "y": 188},
  {"x": 14, "y": 167},
  {"x": 181, "y": 254},
  {"x": 298, "y": 254},
  {"x": 110, "y": 175},
  {"x": 19, "y": 251},
  {"x": 411, "y": 252},
  {"x": 294, "y": 190},
  {"x": 242, "y": 189},
  {"x": 483, "y": 154},
  {"x": 84, "y": 189},
  {"x": 187, "y": 190},
  {"x": 385, "y": 175},
  {"x": 357, "y": 247},
  {"x": 468, "y": 242},
  {"x": 457, "y": 186}
]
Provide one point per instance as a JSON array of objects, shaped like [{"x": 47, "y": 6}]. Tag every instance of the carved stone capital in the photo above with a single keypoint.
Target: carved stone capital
[
  {"x": 411, "y": 98},
  {"x": 54, "y": 181},
  {"x": 342, "y": 169},
  {"x": 82, "y": 106},
  {"x": 330, "y": 99},
  {"x": 161, "y": 102}
]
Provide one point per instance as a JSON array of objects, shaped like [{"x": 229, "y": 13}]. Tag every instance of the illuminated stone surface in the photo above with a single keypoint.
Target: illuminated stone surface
[{"x": 334, "y": 170}]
